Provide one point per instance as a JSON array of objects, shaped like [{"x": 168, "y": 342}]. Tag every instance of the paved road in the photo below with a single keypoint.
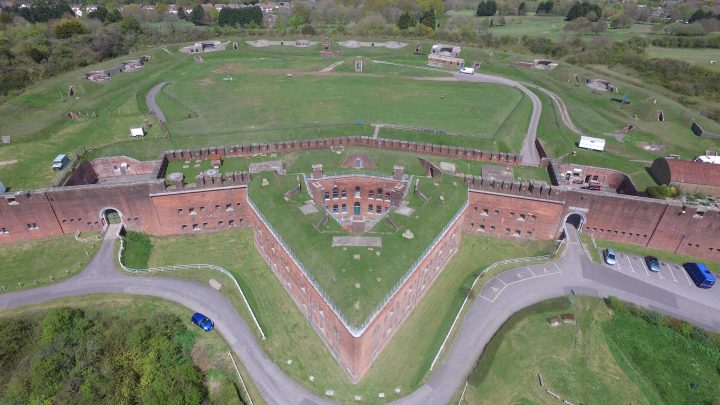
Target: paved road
[
  {"x": 152, "y": 105},
  {"x": 501, "y": 296},
  {"x": 564, "y": 114},
  {"x": 529, "y": 151}
]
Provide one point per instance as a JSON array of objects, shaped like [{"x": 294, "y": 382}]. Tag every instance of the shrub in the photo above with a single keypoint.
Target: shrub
[
  {"x": 67, "y": 28},
  {"x": 137, "y": 250}
]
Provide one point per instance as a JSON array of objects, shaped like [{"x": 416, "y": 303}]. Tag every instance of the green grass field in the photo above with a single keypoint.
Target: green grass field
[
  {"x": 357, "y": 286},
  {"x": 36, "y": 263},
  {"x": 210, "y": 352},
  {"x": 698, "y": 57},
  {"x": 405, "y": 361},
  {"x": 605, "y": 358}
]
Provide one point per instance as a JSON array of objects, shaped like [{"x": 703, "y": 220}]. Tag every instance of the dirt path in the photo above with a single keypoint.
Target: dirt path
[{"x": 152, "y": 105}]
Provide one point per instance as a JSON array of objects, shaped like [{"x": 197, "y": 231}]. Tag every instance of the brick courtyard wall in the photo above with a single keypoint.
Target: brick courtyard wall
[
  {"x": 354, "y": 351},
  {"x": 606, "y": 177},
  {"x": 78, "y": 208},
  {"x": 350, "y": 141},
  {"x": 195, "y": 210},
  {"x": 17, "y": 211},
  {"x": 392, "y": 192}
]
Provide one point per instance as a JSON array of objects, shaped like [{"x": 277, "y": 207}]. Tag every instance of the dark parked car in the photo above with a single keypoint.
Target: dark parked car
[
  {"x": 202, "y": 321},
  {"x": 653, "y": 264}
]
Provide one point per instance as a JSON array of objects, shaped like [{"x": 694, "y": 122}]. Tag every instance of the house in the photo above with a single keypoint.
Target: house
[
  {"x": 137, "y": 132},
  {"x": 691, "y": 176}
]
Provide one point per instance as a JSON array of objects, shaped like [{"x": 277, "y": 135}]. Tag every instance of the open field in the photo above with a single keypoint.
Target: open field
[
  {"x": 357, "y": 286},
  {"x": 209, "y": 351},
  {"x": 26, "y": 265},
  {"x": 605, "y": 358},
  {"x": 551, "y": 27},
  {"x": 405, "y": 361},
  {"x": 698, "y": 57}
]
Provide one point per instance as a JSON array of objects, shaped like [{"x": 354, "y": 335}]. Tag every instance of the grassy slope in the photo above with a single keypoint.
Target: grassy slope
[
  {"x": 399, "y": 365},
  {"x": 699, "y": 57},
  {"x": 575, "y": 361},
  {"x": 43, "y": 261},
  {"x": 211, "y": 351},
  {"x": 335, "y": 269}
]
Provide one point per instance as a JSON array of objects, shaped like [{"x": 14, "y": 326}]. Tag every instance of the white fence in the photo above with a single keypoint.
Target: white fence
[{"x": 192, "y": 267}]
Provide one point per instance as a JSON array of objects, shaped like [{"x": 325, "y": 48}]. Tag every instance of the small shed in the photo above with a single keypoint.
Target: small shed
[
  {"x": 137, "y": 132},
  {"x": 591, "y": 143}
]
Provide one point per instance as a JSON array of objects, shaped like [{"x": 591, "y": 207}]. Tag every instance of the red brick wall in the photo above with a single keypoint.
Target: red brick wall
[
  {"x": 366, "y": 184},
  {"x": 19, "y": 210},
  {"x": 195, "y": 210},
  {"x": 355, "y": 354},
  {"x": 512, "y": 216},
  {"x": 695, "y": 233}
]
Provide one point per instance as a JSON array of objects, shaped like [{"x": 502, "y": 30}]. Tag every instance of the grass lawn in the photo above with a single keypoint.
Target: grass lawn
[
  {"x": 357, "y": 286},
  {"x": 399, "y": 365},
  {"x": 663, "y": 256},
  {"x": 210, "y": 352},
  {"x": 35, "y": 263},
  {"x": 698, "y": 57},
  {"x": 576, "y": 361}
]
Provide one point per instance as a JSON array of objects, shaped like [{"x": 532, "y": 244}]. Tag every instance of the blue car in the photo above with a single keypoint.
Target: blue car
[
  {"x": 652, "y": 263},
  {"x": 202, "y": 321}
]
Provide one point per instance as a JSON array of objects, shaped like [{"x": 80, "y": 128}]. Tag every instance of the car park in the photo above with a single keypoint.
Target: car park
[
  {"x": 652, "y": 263},
  {"x": 610, "y": 256},
  {"x": 202, "y": 321}
]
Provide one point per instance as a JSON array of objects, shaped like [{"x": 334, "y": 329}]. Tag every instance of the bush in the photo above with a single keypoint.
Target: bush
[
  {"x": 67, "y": 28},
  {"x": 138, "y": 248}
]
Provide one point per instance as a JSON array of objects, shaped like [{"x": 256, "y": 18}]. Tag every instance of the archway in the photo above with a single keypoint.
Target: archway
[
  {"x": 576, "y": 220},
  {"x": 110, "y": 215}
]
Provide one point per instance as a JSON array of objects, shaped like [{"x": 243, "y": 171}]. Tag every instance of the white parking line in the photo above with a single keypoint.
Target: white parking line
[
  {"x": 690, "y": 283},
  {"x": 531, "y": 272},
  {"x": 644, "y": 266},
  {"x": 630, "y": 263},
  {"x": 671, "y": 272},
  {"x": 558, "y": 268}
]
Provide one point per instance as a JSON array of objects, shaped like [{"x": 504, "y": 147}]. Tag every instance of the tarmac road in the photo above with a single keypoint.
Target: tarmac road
[
  {"x": 501, "y": 296},
  {"x": 152, "y": 105}
]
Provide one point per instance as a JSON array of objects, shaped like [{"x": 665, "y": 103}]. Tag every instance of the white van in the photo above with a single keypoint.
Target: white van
[{"x": 467, "y": 71}]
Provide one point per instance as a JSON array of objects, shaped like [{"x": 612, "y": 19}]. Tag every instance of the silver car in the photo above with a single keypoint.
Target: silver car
[{"x": 610, "y": 257}]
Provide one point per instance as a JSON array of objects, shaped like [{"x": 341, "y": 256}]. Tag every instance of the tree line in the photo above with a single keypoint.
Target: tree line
[{"x": 67, "y": 356}]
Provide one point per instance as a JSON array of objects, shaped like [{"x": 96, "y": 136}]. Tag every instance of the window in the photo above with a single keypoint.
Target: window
[
  {"x": 335, "y": 208},
  {"x": 327, "y": 195},
  {"x": 387, "y": 196},
  {"x": 196, "y": 227},
  {"x": 231, "y": 222},
  {"x": 344, "y": 208},
  {"x": 517, "y": 233},
  {"x": 228, "y": 207},
  {"x": 202, "y": 209},
  {"x": 521, "y": 217},
  {"x": 183, "y": 227},
  {"x": 217, "y": 206},
  {"x": 594, "y": 178},
  {"x": 387, "y": 208},
  {"x": 492, "y": 228},
  {"x": 358, "y": 163},
  {"x": 335, "y": 192},
  {"x": 238, "y": 204},
  {"x": 378, "y": 209},
  {"x": 220, "y": 223},
  {"x": 343, "y": 194},
  {"x": 497, "y": 211},
  {"x": 370, "y": 208},
  {"x": 507, "y": 230},
  {"x": 11, "y": 201},
  {"x": 699, "y": 214},
  {"x": 33, "y": 226},
  {"x": 357, "y": 192},
  {"x": 482, "y": 228},
  {"x": 529, "y": 233},
  {"x": 484, "y": 212},
  {"x": 72, "y": 220},
  {"x": 4, "y": 230},
  {"x": 371, "y": 195},
  {"x": 512, "y": 213},
  {"x": 64, "y": 221},
  {"x": 180, "y": 211},
  {"x": 205, "y": 224},
  {"x": 191, "y": 211},
  {"x": 379, "y": 193}
]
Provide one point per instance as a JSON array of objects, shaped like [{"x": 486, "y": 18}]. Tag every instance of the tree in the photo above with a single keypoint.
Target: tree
[
  {"x": 197, "y": 16},
  {"x": 584, "y": 9},
  {"x": 114, "y": 16},
  {"x": 182, "y": 14},
  {"x": 100, "y": 13},
  {"x": 406, "y": 21},
  {"x": 486, "y": 8},
  {"x": 623, "y": 21},
  {"x": 599, "y": 26},
  {"x": 581, "y": 25},
  {"x": 129, "y": 25},
  {"x": 428, "y": 19},
  {"x": 67, "y": 28},
  {"x": 545, "y": 7},
  {"x": 521, "y": 8}
]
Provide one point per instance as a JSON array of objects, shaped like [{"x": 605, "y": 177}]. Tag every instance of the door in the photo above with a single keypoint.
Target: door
[{"x": 356, "y": 210}]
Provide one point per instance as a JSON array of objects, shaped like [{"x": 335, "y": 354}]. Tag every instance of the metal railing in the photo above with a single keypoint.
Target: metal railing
[
  {"x": 192, "y": 267},
  {"x": 357, "y": 330}
]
